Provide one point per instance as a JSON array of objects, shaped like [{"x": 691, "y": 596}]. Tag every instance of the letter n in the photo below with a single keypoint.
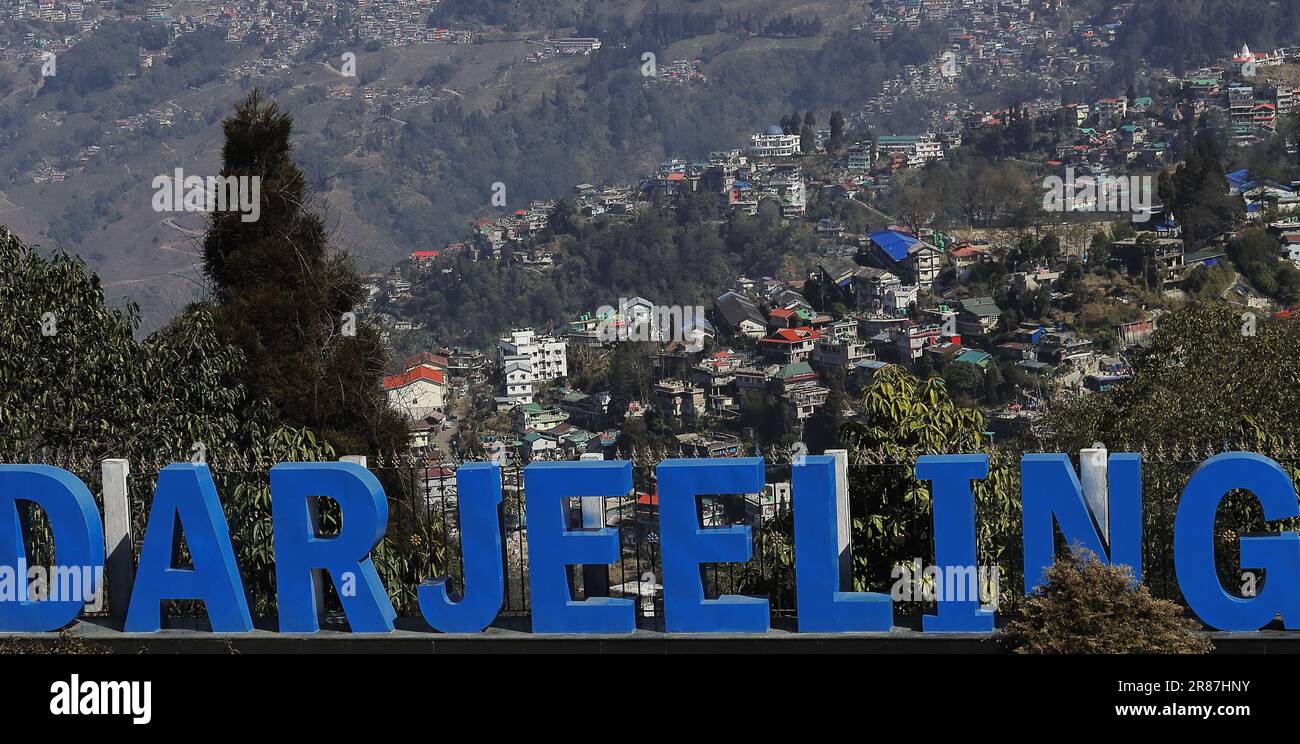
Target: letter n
[{"x": 1051, "y": 494}]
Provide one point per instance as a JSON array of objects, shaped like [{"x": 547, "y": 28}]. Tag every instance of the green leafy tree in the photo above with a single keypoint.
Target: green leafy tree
[
  {"x": 1192, "y": 395},
  {"x": 1201, "y": 200},
  {"x": 73, "y": 377},
  {"x": 1190, "y": 387},
  {"x": 964, "y": 381},
  {"x": 905, "y": 419},
  {"x": 1256, "y": 254}
]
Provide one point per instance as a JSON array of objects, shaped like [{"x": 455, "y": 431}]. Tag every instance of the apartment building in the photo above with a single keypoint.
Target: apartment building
[
  {"x": 774, "y": 143},
  {"x": 545, "y": 354}
]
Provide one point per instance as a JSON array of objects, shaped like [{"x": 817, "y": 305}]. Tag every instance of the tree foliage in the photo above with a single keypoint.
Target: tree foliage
[
  {"x": 281, "y": 293},
  {"x": 1205, "y": 381},
  {"x": 73, "y": 376},
  {"x": 1256, "y": 255},
  {"x": 654, "y": 255},
  {"x": 903, "y": 419}
]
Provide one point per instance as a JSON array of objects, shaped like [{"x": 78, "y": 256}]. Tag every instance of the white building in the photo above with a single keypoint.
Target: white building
[
  {"x": 417, "y": 392},
  {"x": 518, "y": 375},
  {"x": 926, "y": 149},
  {"x": 774, "y": 144},
  {"x": 546, "y": 355},
  {"x": 575, "y": 45}
]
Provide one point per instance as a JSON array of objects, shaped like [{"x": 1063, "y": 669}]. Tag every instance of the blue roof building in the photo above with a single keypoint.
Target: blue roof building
[{"x": 904, "y": 255}]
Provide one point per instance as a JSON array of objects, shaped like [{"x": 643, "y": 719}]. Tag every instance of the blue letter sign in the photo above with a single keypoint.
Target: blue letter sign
[
  {"x": 478, "y": 489},
  {"x": 1050, "y": 490},
  {"x": 186, "y": 491},
  {"x": 823, "y": 608},
  {"x": 552, "y": 547},
  {"x": 1278, "y": 555},
  {"x": 363, "y": 511},
  {"x": 687, "y": 545},
  {"x": 954, "y": 540},
  {"x": 78, "y": 543},
  {"x": 1051, "y": 497}
]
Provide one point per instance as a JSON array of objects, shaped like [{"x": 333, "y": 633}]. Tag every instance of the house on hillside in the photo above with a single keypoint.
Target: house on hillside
[
  {"x": 741, "y": 316},
  {"x": 905, "y": 256},
  {"x": 418, "y": 392},
  {"x": 978, "y": 316},
  {"x": 788, "y": 345},
  {"x": 518, "y": 386}
]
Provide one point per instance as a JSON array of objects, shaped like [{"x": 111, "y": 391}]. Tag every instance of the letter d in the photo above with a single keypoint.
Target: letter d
[{"x": 76, "y": 530}]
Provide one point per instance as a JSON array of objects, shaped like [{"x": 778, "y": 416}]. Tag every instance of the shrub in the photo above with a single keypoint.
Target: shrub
[
  {"x": 66, "y": 643},
  {"x": 1088, "y": 607}
]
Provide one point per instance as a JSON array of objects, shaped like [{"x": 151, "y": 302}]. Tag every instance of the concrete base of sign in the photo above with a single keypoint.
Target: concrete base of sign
[{"x": 511, "y": 636}]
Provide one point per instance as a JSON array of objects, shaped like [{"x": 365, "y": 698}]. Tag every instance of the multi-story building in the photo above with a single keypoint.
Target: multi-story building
[
  {"x": 774, "y": 143},
  {"x": 1284, "y": 97},
  {"x": 861, "y": 157},
  {"x": 533, "y": 417},
  {"x": 1241, "y": 109},
  {"x": 518, "y": 385},
  {"x": 916, "y": 149},
  {"x": 679, "y": 398},
  {"x": 418, "y": 392},
  {"x": 1059, "y": 347},
  {"x": 716, "y": 374},
  {"x": 788, "y": 345},
  {"x": 906, "y": 256},
  {"x": 545, "y": 355},
  {"x": 907, "y": 343},
  {"x": 1111, "y": 111},
  {"x": 839, "y": 353},
  {"x": 574, "y": 45}
]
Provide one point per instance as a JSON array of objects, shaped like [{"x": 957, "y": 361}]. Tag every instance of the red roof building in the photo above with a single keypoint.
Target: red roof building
[{"x": 436, "y": 376}]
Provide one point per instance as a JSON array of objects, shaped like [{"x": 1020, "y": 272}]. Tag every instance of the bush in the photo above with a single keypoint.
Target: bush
[
  {"x": 1088, "y": 607},
  {"x": 66, "y": 643}
]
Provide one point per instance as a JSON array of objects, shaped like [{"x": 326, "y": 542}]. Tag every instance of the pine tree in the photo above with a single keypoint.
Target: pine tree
[{"x": 281, "y": 292}]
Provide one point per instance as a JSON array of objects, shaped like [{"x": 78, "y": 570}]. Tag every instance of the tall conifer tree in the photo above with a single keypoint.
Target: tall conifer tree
[{"x": 281, "y": 293}]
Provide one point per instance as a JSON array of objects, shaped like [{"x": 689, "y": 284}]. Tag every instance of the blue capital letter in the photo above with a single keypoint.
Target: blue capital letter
[
  {"x": 479, "y": 488},
  {"x": 363, "y": 511},
  {"x": 1050, "y": 489},
  {"x": 822, "y": 606},
  {"x": 1278, "y": 555},
  {"x": 186, "y": 491},
  {"x": 954, "y": 540},
  {"x": 686, "y": 545},
  {"x": 78, "y": 542},
  {"x": 552, "y": 547}
]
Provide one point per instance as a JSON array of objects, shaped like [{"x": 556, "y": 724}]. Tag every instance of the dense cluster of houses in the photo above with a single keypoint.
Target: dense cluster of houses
[
  {"x": 296, "y": 25},
  {"x": 289, "y": 28},
  {"x": 1006, "y": 42}
]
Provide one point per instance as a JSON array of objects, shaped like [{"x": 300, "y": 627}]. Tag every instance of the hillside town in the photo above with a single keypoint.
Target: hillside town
[
  {"x": 1016, "y": 310},
  {"x": 747, "y": 325},
  {"x": 1012, "y": 320}
]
